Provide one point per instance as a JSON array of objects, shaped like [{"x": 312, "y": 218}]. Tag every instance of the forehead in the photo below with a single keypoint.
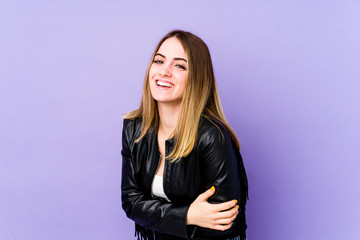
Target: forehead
[{"x": 172, "y": 48}]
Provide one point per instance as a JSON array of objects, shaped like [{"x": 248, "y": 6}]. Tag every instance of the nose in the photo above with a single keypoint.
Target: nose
[{"x": 165, "y": 70}]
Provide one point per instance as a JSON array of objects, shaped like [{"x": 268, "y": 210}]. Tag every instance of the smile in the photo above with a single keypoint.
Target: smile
[{"x": 164, "y": 84}]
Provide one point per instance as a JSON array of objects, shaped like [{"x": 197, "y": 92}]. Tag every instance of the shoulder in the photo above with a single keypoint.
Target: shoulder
[
  {"x": 212, "y": 133},
  {"x": 132, "y": 123},
  {"x": 212, "y": 129},
  {"x": 131, "y": 128}
]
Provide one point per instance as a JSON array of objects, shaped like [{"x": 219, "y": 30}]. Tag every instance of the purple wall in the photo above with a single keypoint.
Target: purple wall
[{"x": 289, "y": 78}]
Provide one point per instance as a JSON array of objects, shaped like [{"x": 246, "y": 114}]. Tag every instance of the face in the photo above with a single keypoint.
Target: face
[{"x": 169, "y": 73}]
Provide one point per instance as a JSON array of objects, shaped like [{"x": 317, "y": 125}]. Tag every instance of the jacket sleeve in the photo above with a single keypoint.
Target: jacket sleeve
[
  {"x": 221, "y": 163},
  {"x": 155, "y": 214}
]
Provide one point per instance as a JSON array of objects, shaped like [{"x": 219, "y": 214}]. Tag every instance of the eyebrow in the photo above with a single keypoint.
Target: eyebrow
[{"x": 174, "y": 58}]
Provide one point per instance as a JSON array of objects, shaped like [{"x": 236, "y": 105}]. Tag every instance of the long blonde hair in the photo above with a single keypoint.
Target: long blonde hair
[{"x": 200, "y": 98}]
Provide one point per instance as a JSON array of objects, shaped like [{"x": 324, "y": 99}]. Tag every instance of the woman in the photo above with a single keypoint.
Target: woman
[{"x": 182, "y": 174}]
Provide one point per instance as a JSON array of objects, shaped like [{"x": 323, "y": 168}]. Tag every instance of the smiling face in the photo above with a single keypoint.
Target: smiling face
[{"x": 169, "y": 73}]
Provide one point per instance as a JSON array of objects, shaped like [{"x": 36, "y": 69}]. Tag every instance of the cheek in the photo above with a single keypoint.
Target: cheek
[
  {"x": 151, "y": 84},
  {"x": 154, "y": 69},
  {"x": 151, "y": 73},
  {"x": 184, "y": 81}
]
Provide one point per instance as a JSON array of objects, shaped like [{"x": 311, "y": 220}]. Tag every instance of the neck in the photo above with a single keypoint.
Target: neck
[{"x": 168, "y": 115}]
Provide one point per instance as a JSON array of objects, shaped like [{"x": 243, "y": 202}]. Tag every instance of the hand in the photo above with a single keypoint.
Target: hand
[{"x": 215, "y": 216}]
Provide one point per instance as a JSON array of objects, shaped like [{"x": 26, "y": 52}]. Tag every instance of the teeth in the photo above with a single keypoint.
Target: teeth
[{"x": 164, "y": 84}]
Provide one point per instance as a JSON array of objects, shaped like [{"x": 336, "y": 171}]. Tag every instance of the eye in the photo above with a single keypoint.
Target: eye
[
  {"x": 158, "y": 61},
  {"x": 180, "y": 66}
]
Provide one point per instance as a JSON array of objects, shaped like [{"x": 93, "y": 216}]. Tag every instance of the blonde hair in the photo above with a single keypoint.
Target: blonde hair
[{"x": 200, "y": 98}]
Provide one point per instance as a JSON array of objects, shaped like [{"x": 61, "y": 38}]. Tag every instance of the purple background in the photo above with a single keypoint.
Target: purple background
[{"x": 289, "y": 79}]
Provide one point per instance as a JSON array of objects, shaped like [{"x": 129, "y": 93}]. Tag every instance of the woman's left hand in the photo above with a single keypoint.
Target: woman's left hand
[{"x": 214, "y": 216}]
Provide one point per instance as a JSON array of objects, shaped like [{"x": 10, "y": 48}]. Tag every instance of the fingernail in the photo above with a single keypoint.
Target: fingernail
[
  {"x": 212, "y": 188},
  {"x": 235, "y": 201}
]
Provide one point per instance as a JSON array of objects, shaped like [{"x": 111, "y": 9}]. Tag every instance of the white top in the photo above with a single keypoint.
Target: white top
[{"x": 157, "y": 187}]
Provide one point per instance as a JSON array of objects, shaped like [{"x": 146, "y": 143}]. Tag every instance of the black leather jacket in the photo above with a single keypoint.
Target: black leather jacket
[{"x": 215, "y": 161}]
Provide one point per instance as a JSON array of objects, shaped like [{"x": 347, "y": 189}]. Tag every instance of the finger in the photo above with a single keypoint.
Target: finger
[
  {"x": 224, "y": 206},
  {"x": 226, "y": 221},
  {"x": 221, "y": 227},
  {"x": 227, "y": 214},
  {"x": 204, "y": 196}
]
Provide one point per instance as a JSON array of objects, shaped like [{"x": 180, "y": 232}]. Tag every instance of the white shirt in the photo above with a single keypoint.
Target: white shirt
[{"x": 157, "y": 187}]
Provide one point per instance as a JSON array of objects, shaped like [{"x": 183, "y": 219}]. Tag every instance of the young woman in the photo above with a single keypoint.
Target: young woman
[{"x": 182, "y": 173}]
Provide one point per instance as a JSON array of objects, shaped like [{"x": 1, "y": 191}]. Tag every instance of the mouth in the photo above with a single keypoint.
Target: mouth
[{"x": 164, "y": 84}]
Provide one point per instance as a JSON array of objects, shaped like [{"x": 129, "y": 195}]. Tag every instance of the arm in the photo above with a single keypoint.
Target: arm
[
  {"x": 221, "y": 163},
  {"x": 151, "y": 213},
  {"x": 214, "y": 216}
]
